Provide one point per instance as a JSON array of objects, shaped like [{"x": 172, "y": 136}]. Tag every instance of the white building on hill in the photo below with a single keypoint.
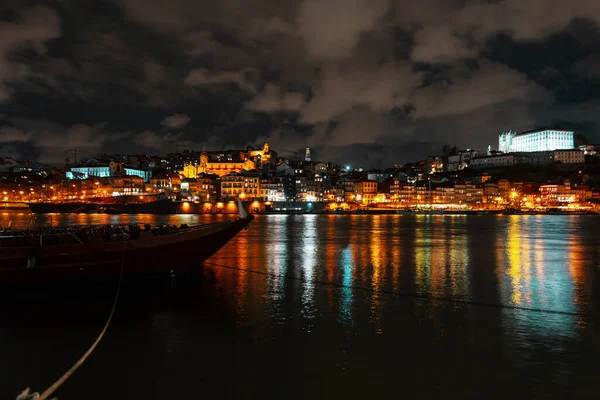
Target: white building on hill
[{"x": 536, "y": 140}]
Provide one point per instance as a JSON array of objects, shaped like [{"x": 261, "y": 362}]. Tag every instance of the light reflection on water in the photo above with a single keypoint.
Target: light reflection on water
[
  {"x": 307, "y": 260},
  {"x": 323, "y": 304}
]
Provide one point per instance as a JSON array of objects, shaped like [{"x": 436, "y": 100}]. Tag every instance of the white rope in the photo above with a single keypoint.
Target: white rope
[{"x": 26, "y": 395}]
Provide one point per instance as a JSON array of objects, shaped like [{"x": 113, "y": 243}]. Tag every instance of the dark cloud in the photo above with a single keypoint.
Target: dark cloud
[
  {"x": 177, "y": 121},
  {"x": 381, "y": 81}
]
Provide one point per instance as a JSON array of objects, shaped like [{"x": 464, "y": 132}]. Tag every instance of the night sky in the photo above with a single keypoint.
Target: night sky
[{"x": 368, "y": 82}]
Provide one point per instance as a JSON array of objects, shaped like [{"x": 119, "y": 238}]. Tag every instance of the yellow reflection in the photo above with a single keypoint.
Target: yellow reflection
[
  {"x": 576, "y": 263},
  {"x": 376, "y": 247},
  {"x": 242, "y": 276},
  {"x": 458, "y": 245},
  {"x": 437, "y": 265},
  {"x": 396, "y": 253},
  {"x": 514, "y": 258}
]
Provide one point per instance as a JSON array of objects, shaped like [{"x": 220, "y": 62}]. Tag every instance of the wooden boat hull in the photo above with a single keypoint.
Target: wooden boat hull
[{"x": 147, "y": 255}]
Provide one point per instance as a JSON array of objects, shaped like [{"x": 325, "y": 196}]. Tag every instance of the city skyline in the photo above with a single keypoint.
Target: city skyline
[{"x": 375, "y": 84}]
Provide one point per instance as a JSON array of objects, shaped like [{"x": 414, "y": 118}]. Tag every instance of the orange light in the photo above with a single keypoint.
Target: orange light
[{"x": 186, "y": 206}]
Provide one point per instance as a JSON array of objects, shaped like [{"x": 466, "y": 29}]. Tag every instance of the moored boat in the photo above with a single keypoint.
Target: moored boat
[{"x": 55, "y": 254}]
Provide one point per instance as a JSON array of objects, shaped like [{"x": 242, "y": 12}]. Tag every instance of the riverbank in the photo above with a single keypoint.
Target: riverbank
[{"x": 168, "y": 207}]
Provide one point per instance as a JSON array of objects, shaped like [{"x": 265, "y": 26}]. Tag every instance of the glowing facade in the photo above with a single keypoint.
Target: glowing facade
[
  {"x": 537, "y": 140},
  {"x": 224, "y": 163}
]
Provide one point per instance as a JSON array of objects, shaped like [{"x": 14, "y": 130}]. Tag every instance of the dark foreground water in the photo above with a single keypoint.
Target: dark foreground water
[{"x": 325, "y": 306}]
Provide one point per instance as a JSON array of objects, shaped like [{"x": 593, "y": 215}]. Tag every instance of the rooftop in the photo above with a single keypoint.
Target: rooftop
[{"x": 542, "y": 130}]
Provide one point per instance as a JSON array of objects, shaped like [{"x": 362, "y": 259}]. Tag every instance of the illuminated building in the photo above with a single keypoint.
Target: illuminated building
[
  {"x": 307, "y": 154},
  {"x": 124, "y": 185},
  {"x": 536, "y": 140},
  {"x": 104, "y": 171},
  {"x": 189, "y": 187},
  {"x": 220, "y": 168},
  {"x": 222, "y": 163},
  {"x": 268, "y": 189},
  {"x": 243, "y": 185},
  {"x": 366, "y": 191},
  {"x": 261, "y": 156},
  {"x": 467, "y": 193},
  {"x": 349, "y": 191},
  {"x": 207, "y": 186}
]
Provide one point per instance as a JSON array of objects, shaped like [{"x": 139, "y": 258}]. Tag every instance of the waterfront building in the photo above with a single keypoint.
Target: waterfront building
[
  {"x": 208, "y": 188},
  {"x": 268, "y": 189},
  {"x": 349, "y": 190},
  {"x": 244, "y": 185},
  {"x": 286, "y": 186},
  {"x": 189, "y": 187},
  {"x": 407, "y": 194},
  {"x": 314, "y": 188},
  {"x": 491, "y": 192},
  {"x": 395, "y": 189},
  {"x": 301, "y": 187},
  {"x": 366, "y": 191},
  {"x": 121, "y": 185},
  {"x": 444, "y": 194},
  {"x": 468, "y": 193},
  {"x": 232, "y": 186},
  {"x": 536, "y": 140}
]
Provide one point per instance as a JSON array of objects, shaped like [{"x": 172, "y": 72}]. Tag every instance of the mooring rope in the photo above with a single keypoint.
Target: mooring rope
[
  {"x": 27, "y": 395},
  {"x": 405, "y": 294}
]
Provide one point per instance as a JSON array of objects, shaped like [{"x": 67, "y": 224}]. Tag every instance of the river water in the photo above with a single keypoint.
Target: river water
[{"x": 327, "y": 306}]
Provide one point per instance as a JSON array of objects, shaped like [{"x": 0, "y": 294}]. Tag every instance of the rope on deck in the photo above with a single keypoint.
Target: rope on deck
[{"x": 27, "y": 395}]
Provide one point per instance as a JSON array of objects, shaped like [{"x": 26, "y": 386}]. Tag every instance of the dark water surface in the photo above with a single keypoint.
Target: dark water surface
[{"x": 325, "y": 306}]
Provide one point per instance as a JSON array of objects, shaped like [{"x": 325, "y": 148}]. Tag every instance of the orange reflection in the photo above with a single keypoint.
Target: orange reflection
[
  {"x": 422, "y": 254},
  {"x": 458, "y": 246},
  {"x": 330, "y": 249},
  {"x": 376, "y": 248}
]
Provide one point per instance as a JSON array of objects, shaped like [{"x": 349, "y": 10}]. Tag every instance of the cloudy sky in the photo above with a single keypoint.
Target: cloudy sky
[{"x": 370, "y": 82}]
